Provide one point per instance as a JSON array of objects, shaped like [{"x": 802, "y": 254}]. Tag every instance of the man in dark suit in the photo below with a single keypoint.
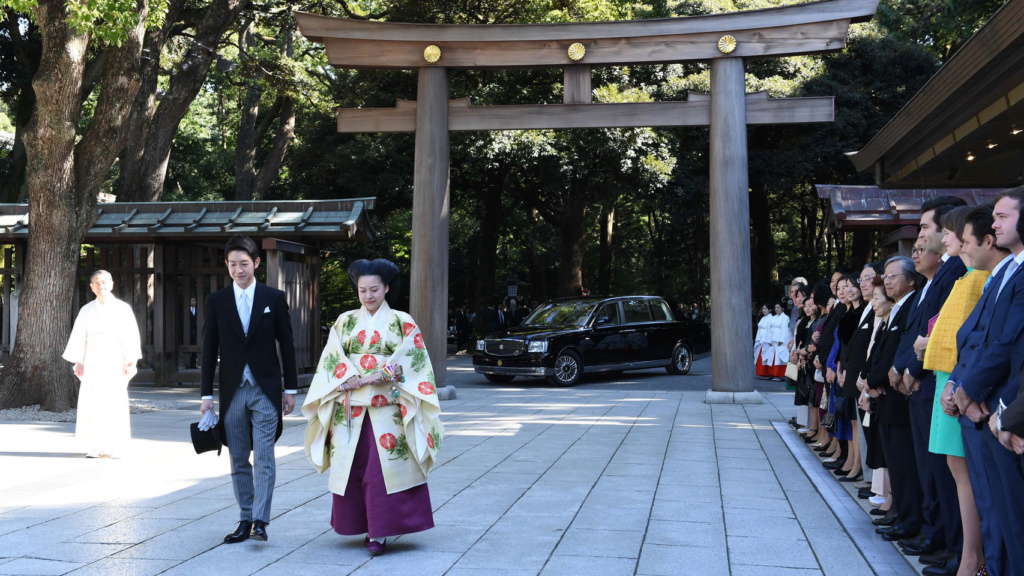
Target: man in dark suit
[
  {"x": 247, "y": 323},
  {"x": 893, "y": 417},
  {"x": 988, "y": 378},
  {"x": 487, "y": 320},
  {"x": 942, "y": 526},
  {"x": 979, "y": 245}
]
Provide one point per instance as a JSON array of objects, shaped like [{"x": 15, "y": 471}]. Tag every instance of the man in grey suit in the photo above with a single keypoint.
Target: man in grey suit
[{"x": 246, "y": 323}]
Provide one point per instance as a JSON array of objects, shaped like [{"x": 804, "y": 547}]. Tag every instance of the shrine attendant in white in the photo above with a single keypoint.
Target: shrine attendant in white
[
  {"x": 762, "y": 345},
  {"x": 104, "y": 347},
  {"x": 778, "y": 335}
]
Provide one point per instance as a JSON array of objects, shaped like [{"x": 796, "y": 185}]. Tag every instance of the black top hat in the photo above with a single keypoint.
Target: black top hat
[{"x": 205, "y": 441}]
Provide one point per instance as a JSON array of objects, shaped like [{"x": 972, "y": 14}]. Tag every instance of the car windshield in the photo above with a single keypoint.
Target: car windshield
[{"x": 561, "y": 314}]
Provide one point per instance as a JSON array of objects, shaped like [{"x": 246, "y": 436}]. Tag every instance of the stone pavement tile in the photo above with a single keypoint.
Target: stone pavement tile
[
  {"x": 693, "y": 454},
  {"x": 25, "y": 542},
  {"x": 741, "y": 523},
  {"x": 588, "y": 566},
  {"x": 693, "y": 494},
  {"x": 742, "y": 488},
  {"x": 744, "y": 464},
  {"x": 224, "y": 491},
  {"x": 456, "y": 571},
  {"x": 636, "y": 471},
  {"x": 620, "y": 498},
  {"x": 624, "y": 483},
  {"x": 658, "y": 560},
  {"x": 131, "y": 531},
  {"x": 243, "y": 558},
  {"x": 289, "y": 567},
  {"x": 748, "y": 477},
  {"x": 684, "y": 511},
  {"x": 179, "y": 544},
  {"x": 701, "y": 534},
  {"x": 526, "y": 553},
  {"x": 771, "y": 552},
  {"x": 731, "y": 501},
  {"x": 605, "y": 518},
  {"x": 519, "y": 525},
  {"x": 689, "y": 468},
  {"x": 466, "y": 516},
  {"x": 290, "y": 499},
  {"x": 331, "y": 549},
  {"x": 773, "y": 571},
  {"x": 78, "y": 551},
  {"x": 399, "y": 561},
  {"x": 13, "y": 524},
  {"x": 442, "y": 538},
  {"x": 37, "y": 567},
  {"x": 601, "y": 543},
  {"x": 124, "y": 567},
  {"x": 190, "y": 508}
]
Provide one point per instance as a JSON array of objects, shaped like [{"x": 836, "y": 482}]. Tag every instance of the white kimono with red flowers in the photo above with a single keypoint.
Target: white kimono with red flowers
[{"x": 407, "y": 427}]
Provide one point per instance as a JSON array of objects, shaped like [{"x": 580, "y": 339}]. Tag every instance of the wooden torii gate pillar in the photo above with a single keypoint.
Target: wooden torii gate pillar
[{"x": 724, "y": 39}]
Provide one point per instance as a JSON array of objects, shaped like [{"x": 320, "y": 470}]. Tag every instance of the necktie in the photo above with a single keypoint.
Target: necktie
[{"x": 244, "y": 311}]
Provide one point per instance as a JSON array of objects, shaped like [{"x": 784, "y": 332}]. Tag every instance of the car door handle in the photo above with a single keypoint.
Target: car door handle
[{"x": 625, "y": 331}]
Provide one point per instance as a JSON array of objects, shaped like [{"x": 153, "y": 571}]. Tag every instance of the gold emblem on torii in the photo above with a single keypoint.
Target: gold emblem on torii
[
  {"x": 432, "y": 53},
  {"x": 577, "y": 51}
]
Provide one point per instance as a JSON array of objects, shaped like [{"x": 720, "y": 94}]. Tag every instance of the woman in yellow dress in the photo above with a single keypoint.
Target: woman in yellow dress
[{"x": 373, "y": 417}]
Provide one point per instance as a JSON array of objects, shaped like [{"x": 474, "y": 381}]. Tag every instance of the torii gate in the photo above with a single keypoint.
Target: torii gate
[{"x": 724, "y": 39}]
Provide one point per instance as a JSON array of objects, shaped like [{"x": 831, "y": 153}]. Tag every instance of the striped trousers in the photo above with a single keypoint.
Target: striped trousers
[{"x": 249, "y": 427}]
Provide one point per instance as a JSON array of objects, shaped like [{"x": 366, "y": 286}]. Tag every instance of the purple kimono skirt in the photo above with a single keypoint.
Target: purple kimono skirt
[{"x": 367, "y": 508}]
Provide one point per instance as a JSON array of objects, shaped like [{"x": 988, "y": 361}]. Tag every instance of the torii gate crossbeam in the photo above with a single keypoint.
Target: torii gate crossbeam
[{"x": 724, "y": 39}]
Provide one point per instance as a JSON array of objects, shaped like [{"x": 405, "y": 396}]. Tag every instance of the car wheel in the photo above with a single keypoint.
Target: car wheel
[
  {"x": 568, "y": 369},
  {"x": 682, "y": 360},
  {"x": 500, "y": 378}
]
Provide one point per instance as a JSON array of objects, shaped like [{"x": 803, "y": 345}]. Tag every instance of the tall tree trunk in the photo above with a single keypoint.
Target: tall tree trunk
[
  {"x": 184, "y": 86},
  {"x": 604, "y": 269},
  {"x": 574, "y": 236},
  {"x": 490, "y": 229},
  {"x": 63, "y": 178},
  {"x": 764, "y": 269},
  {"x": 539, "y": 291}
]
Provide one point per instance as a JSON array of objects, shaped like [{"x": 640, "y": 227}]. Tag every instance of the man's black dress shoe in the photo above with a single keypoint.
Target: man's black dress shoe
[
  {"x": 240, "y": 534},
  {"x": 948, "y": 569},
  {"x": 926, "y": 547},
  {"x": 878, "y": 512},
  {"x": 259, "y": 530},
  {"x": 937, "y": 558},
  {"x": 894, "y": 535},
  {"x": 885, "y": 521},
  {"x": 911, "y": 541},
  {"x": 865, "y": 493}
]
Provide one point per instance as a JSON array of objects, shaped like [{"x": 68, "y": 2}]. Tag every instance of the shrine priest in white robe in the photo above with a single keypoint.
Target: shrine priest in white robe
[{"x": 104, "y": 347}]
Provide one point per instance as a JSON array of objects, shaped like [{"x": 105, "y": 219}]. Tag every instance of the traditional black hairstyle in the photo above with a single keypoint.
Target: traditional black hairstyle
[
  {"x": 243, "y": 244},
  {"x": 384, "y": 269}
]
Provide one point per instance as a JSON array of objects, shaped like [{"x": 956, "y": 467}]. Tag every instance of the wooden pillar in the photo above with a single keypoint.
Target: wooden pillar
[
  {"x": 428, "y": 290},
  {"x": 732, "y": 369},
  {"x": 576, "y": 85}
]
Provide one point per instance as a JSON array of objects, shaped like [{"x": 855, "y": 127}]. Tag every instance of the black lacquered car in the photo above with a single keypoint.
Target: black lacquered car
[{"x": 564, "y": 339}]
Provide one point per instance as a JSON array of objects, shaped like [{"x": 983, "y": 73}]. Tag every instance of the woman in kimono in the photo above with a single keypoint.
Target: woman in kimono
[
  {"x": 762, "y": 345},
  {"x": 103, "y": 347},
  {"x": 373, "y": 414},
  {"x": 778, "y": 335}
]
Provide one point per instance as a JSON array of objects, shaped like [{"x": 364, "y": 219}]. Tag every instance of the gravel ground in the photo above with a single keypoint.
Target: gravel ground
[{"x": 34, "y": 414}]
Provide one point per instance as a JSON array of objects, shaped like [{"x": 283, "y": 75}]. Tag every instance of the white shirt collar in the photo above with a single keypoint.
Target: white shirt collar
[
  {"x": 250, "y": 291},
  {"x": 945, "y": 256},
  {"x": 1002, "y": 263},
  {"x": 902, "y": 300}
]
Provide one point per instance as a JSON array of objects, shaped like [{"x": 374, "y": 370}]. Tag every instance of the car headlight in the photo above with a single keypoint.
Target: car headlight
[
  {"x": 538, "y": 346},
  {"x": 480, "y": 345}
]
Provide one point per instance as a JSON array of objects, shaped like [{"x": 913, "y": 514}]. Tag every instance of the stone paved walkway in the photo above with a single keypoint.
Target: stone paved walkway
[{"x": 532, "y": 481}]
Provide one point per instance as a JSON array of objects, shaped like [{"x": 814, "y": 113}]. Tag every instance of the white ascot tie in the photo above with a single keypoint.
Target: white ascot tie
[{"x": 244, "y": 311}]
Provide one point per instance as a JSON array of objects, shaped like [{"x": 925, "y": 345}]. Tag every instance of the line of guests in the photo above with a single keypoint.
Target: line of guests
[{"x": 909, "y": 376}]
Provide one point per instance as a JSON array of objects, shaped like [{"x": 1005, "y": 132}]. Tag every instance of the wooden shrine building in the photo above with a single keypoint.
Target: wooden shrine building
[{"x": 162, "y": 254}]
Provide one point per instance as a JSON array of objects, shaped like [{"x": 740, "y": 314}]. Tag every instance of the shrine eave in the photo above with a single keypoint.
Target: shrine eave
[
  {"x": 873, "y": 207},
  {"x": 136, "y": 222}
]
